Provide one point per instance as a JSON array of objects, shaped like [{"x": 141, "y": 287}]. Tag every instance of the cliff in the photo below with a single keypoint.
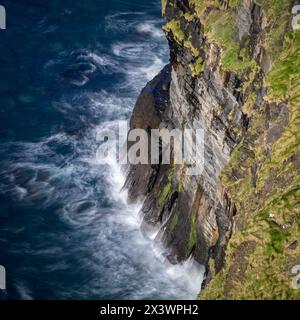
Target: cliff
[{"x": 235, "y": 73}]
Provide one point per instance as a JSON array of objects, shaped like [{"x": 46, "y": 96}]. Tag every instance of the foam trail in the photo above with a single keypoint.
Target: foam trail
[
  {"x": 85, "y": 227},
  {"x": 149, "y": 28}
]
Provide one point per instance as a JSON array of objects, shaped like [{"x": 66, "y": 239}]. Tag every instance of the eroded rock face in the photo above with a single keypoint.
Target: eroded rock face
[
  {"x": 190, "y": 211},
  {"x": 149, "y": 113},
  {"x": 220, "y": 55}
]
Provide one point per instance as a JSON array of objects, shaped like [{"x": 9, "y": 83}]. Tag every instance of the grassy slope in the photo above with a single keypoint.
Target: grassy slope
[{"x": 261, "y": 254}]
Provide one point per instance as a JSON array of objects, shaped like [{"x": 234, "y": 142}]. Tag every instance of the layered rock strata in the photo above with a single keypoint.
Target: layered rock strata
[{"x": 234, "y": 73}]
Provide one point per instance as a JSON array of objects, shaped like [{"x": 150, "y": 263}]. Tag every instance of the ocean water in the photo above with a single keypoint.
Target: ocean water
[{"x": 69, "y": 70}]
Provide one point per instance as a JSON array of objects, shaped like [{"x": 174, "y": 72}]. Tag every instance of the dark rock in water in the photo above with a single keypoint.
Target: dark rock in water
[
  {"x": 153, "y": 102},
  {"x": 148, "y": 114},
  {"x": 78, "y": 74},
  {"x": 73, "y": 77}
]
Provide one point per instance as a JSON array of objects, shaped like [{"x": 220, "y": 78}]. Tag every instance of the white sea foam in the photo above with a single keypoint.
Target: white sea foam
[
  {"x": 147, "y": 72},
  {"x": 24, "y": 292},
  {"x": 102, "y": 61},
  {"x": 131, "y": 50},
  {"x": 62, "y": 171},
  {"x": 119, "y": 22},
  {"x": 150, "y": 28}
]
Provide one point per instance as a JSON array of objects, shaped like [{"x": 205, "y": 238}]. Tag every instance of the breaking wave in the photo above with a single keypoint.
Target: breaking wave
[{"x": 83, "y": 229}]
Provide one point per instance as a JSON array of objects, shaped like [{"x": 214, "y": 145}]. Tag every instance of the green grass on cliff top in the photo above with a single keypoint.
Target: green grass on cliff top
[
  {"x": 220, "y": 27},
  {"x": 284, "y": 79},
  {"x": 220, "y": 24}
]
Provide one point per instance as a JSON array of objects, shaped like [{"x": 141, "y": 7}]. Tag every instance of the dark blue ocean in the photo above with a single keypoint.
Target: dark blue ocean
[{"x": 69, "y": 69}]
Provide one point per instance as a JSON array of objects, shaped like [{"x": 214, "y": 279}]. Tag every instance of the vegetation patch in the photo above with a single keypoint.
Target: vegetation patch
[
  {"x": 197, "y": 67},
  {"x": 163, "y": 6},
  {"x": 220, "y": 27},
  {"x": 167, "y": 188},
  {"x": 173, "y": 26},
  {"x": 283, "y": 81},
  {"x": 193, "y": 233},
  {"x": 165, "y": 194}
]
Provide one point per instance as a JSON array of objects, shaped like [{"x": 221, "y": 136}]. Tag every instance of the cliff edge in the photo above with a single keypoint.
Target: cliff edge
[{"x": 234, "y": 72}]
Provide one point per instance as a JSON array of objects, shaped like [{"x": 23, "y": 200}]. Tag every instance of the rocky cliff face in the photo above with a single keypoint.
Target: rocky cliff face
[{"x": 234, "y": 72}]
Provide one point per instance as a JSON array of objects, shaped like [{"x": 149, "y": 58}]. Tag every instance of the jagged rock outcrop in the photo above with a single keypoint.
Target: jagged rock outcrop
[{"x": 234, "y": 72}]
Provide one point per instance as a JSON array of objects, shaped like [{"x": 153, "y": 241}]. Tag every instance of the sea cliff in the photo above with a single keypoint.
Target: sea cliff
[{"x": 234, "y": 72}]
